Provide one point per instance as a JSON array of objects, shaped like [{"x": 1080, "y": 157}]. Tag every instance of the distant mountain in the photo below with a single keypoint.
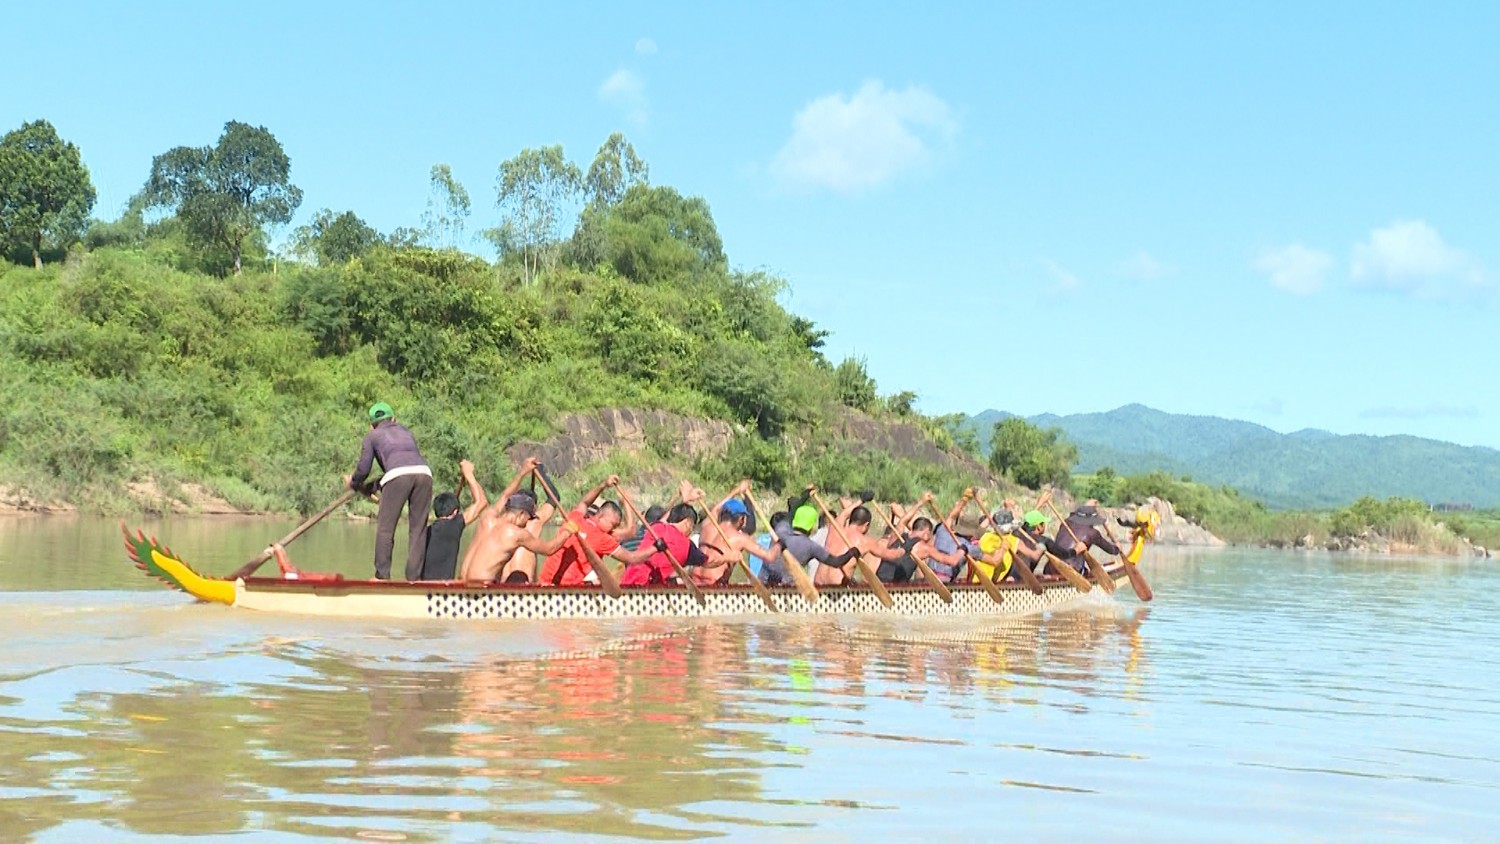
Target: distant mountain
[{"x": 1307, "y": 468}]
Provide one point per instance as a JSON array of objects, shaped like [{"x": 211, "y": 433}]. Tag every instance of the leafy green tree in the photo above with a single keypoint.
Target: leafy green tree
[
  {"x": 615, "y": 170},
  {"x": 854, "y": 386},
  {"x": 332, "y": 239},
  {"x": 1029, "y": 455},
  {"x": 532, "y": 192},
  {"x": 45, "y": 192},
  {"x": 447, "y": 210},
  {"x": 225, "y": 192},
  {"x": 903, "y": 403},
  {"x": 656, "y": 233}
]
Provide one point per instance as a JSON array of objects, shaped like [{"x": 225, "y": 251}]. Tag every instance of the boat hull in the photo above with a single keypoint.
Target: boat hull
[
  {"x": 464, "y": 603},
  {"x": 334, "y": 596}
]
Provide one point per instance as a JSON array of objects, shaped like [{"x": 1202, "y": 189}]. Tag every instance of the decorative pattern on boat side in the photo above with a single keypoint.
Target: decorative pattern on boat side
[{"x": 564, "y": 603}]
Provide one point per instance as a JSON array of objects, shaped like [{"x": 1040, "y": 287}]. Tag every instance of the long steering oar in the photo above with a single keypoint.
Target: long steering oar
[
  {"x": 1132, "y": 571},
  {"x": 250, "y": 568},
  {"x": 989, "y": 585},
  {"x": 933, "y": 580},
  {"x": 1028, "y": 577},
  {"x": 1096, "y": 568},
  {"x": 755, "y": 582},
  {"x": 682, "y": 574},
  {"x": 871, "y": 579},
  {"x": 607, "y": 580},
  {"x": 799, "y": 574}
]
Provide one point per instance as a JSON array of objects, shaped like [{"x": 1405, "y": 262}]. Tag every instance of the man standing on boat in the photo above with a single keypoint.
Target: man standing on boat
[{"x": 405, "y": 484}]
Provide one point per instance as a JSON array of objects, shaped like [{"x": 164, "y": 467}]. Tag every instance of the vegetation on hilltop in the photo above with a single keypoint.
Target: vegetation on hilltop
[{"x": 174, "y": 344}]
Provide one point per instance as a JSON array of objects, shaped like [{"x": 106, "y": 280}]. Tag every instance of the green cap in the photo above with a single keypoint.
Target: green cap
[
  {"x": 806, "y": 518},
  {"x": 1034, "y": 518},
  {"x": 380, "y": 410}
]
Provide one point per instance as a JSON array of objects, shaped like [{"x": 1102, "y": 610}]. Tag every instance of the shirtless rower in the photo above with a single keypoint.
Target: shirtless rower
[
  {"x": 855, "y": 517},
  {"x": 723, "y": 550},
  {"x": 506, "y": 527}
]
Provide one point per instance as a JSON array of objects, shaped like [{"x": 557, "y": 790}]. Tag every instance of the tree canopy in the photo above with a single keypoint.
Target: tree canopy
[
  {"x": 334, "y": 238},
  {"x": 45, "y": 191},
  {"x": 1029, "y": 455},
  {"x": 225, "y": 192}
]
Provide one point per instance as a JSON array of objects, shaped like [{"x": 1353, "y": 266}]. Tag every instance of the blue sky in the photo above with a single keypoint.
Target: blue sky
[{"x": 1285, "y": 213}]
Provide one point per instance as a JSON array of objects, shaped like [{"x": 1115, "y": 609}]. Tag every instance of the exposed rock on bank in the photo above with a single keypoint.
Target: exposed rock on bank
[
  {"x": 861, "y": 432},
  {"x": 1174, "y": 529},
  {"x": 591, "y": 437}
]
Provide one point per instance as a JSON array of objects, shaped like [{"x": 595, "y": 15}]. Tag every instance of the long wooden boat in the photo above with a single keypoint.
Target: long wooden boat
[{"x": 457, "y": 600}]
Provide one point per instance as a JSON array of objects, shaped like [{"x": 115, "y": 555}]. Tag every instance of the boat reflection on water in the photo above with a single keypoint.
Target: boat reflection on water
[{"x": 673, "y": 729}]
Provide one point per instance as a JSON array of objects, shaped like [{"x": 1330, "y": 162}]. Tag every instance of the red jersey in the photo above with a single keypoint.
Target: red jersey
[{"x": 567, "y": 566}]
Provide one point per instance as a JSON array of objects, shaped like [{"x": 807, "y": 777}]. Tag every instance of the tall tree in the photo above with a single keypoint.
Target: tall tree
[
  {"x": 615, "y": 169},
  {"x": 1029, "y": 455},
  {"x": 656, "y": 233},
  {"x": 532, "y": 192},
  {"x": 334, "y": 238},
  {"x": 45, "y": 192},
  {"x": 224, "y": 192},
  {"x": 447, "y": 209}
]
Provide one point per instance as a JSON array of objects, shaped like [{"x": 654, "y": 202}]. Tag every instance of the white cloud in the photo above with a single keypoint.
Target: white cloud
[
  {"x": 1410, "y": 256},
  {"x": 645, "y": 47},
  {"x": 1065, "y": 282},
  {"x": 1295, "y": 268},
  {"x": 626, "y": 91},
  {"x": 850, "y": 144},
  {"x": 1142, "y": 266}
]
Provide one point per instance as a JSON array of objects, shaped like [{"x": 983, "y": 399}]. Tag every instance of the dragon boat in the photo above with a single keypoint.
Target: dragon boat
[{"x": 334, "y": 595}]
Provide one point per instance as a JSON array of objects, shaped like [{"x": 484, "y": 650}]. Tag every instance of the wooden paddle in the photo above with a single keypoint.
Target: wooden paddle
[
  {"x": 1106, "y": 582},
  {"x": 755, "y": 582},
  {"x": 682, "y": 574},
  {"x": 1069, "y": 574},
  {"x": 989, "y": 585},
  {"x": 1028, "y": 577},
  {"x": 933, "y": 580},
  {"x": 251, "y": 567},
  {"x": 799, "y": 574},
  {"x": 1132, "y": 571},
  {"x": 871, "y": 579},
  {"x": 607, "y": 580}
]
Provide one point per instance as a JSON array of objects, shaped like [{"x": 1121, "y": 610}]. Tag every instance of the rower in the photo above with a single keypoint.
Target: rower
[
  {"x": 856, "y": 519},
  {"x": 1079, "y": 532},
  {"x": 732, "y": 517},
  {"x": 795, "y": 535},
  {"x": 938, "y": 547},
  {"x": 568, "y": 566},
  {"x": 667, "y": 537},
  {"x": 440, "y": 557},
  {"x": 506, "y": 529},
  {"x": 406, "y": 484}
]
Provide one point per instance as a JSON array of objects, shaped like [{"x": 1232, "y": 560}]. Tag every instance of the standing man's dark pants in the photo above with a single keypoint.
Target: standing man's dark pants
[{"x": 414, "y": 492}]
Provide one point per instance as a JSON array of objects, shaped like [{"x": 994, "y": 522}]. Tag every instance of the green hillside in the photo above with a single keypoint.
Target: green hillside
[
  {"x": 1308, "y": 468},
  {"x": 172, "y": 346}
]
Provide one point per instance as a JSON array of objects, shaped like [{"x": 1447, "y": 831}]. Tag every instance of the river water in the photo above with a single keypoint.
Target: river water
[{"x": 1262, "y": 695}]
